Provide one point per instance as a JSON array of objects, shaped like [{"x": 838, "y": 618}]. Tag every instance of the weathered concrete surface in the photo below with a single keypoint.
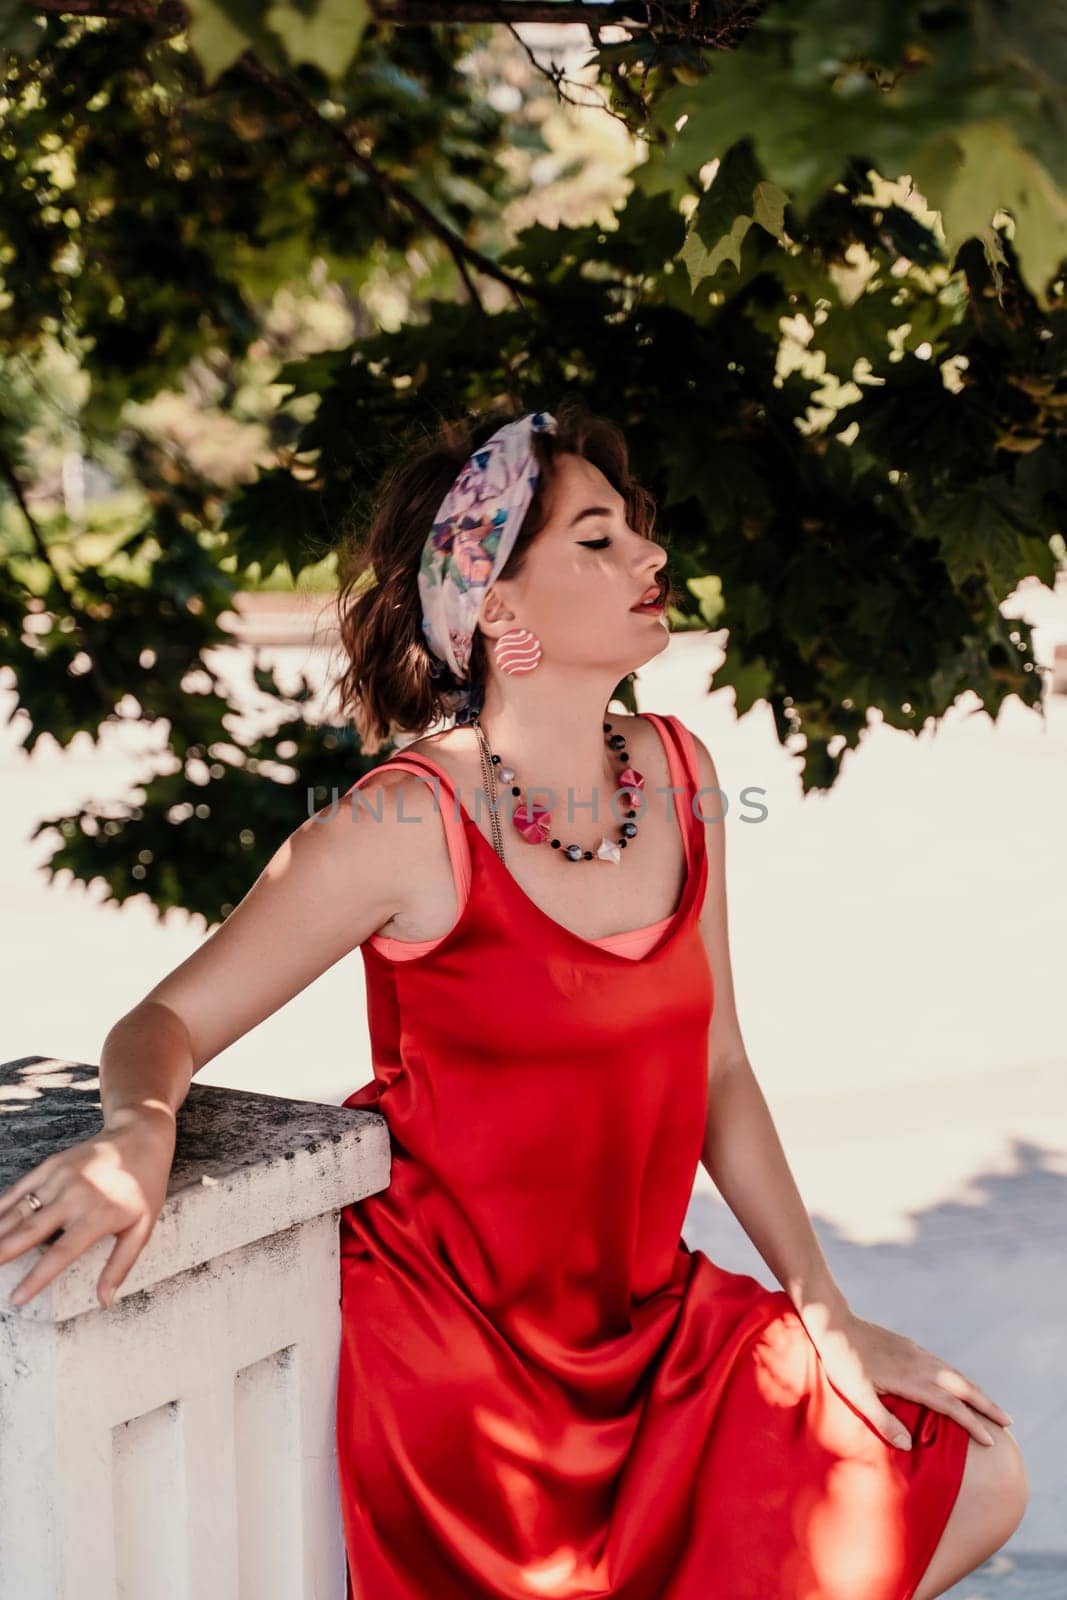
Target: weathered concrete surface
[{"x": 246, "y": 1167}]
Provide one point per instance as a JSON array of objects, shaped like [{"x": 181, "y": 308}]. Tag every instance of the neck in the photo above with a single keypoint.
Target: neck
[{"x": 554, "y": 735}]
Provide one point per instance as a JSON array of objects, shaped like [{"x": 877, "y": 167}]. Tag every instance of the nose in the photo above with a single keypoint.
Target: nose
[{"x": 655, "y": 557}]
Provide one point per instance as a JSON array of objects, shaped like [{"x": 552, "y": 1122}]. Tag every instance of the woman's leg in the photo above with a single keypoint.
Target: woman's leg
[{"x": 988, "y": 1509}]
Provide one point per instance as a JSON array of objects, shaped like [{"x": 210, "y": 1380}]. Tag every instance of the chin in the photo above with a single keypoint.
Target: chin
[{"x": 661, "y": 638}]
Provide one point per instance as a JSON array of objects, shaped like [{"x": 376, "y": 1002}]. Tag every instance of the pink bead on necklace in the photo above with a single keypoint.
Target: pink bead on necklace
[{"x": 533, "y": 822}]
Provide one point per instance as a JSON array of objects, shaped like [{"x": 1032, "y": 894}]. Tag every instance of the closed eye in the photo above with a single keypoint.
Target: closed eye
[{"x": 595, "y": 544}]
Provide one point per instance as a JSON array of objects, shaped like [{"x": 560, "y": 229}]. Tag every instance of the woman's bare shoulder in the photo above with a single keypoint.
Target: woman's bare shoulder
[
  {"x": 455, "y": 751},
  {"x": 421, "y": 874},
  {"x": 397, "y": 796},
  {"x": 339, "y": 876}
]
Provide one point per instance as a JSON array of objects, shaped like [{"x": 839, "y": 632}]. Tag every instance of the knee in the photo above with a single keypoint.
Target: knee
[
  {"x": 988, "y": 1509},
  {"x": 1005, "y": 1487}
]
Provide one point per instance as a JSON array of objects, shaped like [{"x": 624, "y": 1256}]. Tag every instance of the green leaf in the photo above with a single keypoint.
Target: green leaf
[
  {"x": 751, "y": 680},
  {"x": 708, "y": 590},
  {"x": 216, "y": 35},
  {"x": 738, "y": 196},
  {"x": 328, "y": 39},
  {"x": 975, "y": 171},
  {"x": 768, "y": 208},
  {"x": 978, "y": 527}
]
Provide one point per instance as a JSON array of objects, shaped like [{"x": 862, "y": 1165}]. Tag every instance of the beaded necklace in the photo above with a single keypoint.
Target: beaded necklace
[{"x": 533, "y": 822}]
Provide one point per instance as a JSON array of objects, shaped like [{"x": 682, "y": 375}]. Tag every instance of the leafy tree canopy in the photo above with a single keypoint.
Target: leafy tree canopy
[{"x": 244, "y": 248}]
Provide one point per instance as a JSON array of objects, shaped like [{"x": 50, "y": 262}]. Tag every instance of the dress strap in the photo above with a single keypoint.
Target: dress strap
[
  {"x": 688, "y": 748},
  {"x": 685, "y": 771},
  {"x": 459, "y": 850}
]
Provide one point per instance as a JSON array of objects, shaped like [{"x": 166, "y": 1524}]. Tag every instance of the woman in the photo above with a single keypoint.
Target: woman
[{"x": 542, "y": 1391}]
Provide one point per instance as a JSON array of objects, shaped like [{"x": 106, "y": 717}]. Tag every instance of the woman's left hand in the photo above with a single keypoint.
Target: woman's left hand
[{"x": 864, "y": 1360}]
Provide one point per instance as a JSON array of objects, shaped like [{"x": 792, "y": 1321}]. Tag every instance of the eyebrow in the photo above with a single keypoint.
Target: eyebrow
[{"x": 591, "y": 511}]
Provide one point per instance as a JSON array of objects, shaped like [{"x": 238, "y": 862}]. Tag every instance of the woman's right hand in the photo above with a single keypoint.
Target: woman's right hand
[{"x": 114, "y": 1182}]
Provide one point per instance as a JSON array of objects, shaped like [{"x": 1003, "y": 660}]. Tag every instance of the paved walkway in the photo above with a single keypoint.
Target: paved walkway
[
  {"x": 898, "y": 950},
  {"x": 1011, "y": 1576}
]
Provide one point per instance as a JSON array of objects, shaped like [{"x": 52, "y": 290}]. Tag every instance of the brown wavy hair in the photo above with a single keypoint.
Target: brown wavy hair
[{"x": 386, "y": 683}]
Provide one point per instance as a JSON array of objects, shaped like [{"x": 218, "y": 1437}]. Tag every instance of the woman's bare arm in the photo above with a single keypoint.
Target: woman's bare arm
[
  {"x": 331, "y": 883},
  {"x": 742, "y": 1151},
  {"x": 335, "y": 880},
  {"x": 745, "y": 1160}
]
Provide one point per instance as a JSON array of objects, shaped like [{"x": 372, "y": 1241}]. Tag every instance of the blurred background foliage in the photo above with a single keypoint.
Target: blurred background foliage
[{"x": 811, "y": 257}]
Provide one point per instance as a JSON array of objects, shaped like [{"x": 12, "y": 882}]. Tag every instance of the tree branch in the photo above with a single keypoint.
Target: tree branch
[
  {"x": 397, "y": 13},
  {"x": 84, "y": 624},
  {"x": 558, "y": 78},
  {"x": 172, "y": 16},
  {"x": 721, "y": 28},
  {"x": 461, "y": 252},
  {"x": 165, "y": 19},
  {"x": 412, "y": 13}
]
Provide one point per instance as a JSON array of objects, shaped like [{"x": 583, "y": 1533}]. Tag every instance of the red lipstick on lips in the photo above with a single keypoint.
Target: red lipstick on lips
[{"x": 651, "y": 601}]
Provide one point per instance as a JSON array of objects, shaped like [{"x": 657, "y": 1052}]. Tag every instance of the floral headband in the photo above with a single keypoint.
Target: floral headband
[{"x": 471, "y": 538}]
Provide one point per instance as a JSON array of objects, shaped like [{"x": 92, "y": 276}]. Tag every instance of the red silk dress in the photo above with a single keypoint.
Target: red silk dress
[{"x": 543, "y": 1393}]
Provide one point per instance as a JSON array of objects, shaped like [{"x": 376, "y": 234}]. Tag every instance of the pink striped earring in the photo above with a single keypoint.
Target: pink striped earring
[{"x": 518, "y": 650}]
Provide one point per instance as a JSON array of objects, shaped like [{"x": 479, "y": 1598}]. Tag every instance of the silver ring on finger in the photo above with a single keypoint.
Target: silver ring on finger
[{"x": 33, "y": 1200}]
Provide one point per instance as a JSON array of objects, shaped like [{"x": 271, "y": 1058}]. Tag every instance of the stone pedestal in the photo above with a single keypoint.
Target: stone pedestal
[{"x": 179, "y": 1445}]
